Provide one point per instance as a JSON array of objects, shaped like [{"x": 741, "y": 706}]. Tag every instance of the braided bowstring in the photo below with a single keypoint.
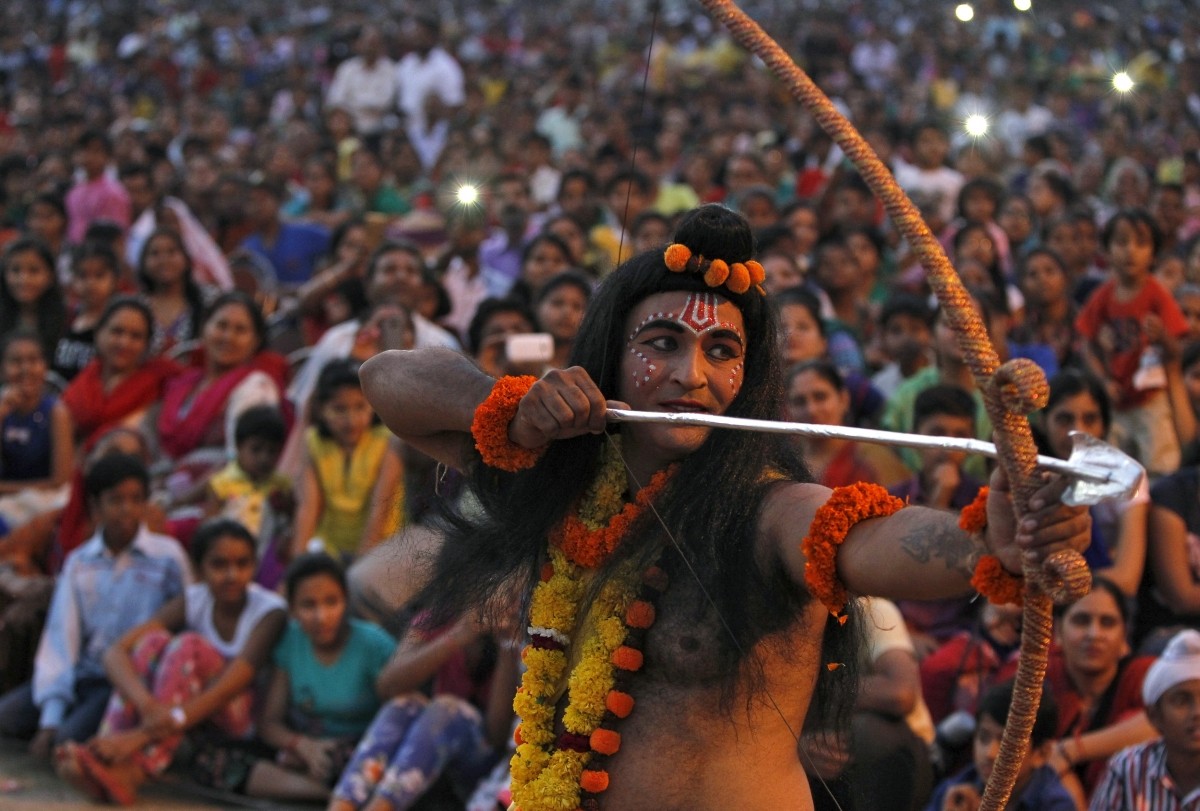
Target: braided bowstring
[{"x": 1010, "y": 392}]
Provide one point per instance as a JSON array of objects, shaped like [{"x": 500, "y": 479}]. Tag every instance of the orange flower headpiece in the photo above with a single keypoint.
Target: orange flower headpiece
[{"x": 738, "y": 277}]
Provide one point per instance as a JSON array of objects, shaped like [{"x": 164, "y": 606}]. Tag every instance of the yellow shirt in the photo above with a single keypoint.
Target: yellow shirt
[
  {"x": 347, "y": 486},
  {"x": 245, "y": 501}
]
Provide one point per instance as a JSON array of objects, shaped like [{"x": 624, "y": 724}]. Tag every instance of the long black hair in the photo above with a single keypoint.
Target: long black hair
[
  {"x": 191, "y": 290},
  {"x": 715, "y": 526},
  {"x": 51, "y": 305}
]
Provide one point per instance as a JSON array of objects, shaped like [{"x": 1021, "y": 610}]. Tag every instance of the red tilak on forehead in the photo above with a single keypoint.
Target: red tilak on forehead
[{"x": 699, "y": 312}]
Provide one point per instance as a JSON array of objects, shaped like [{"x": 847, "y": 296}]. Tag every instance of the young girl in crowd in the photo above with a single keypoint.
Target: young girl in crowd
[
  {"x": 349, "y": 492},
  {"x": 251, "y": 490},
  {"x": 95, "y": 275},
  {"x": 165, "y": 275},
  {"x": 325, "y": 687},
  {"x": 30, "y": 295},
  {"x": 121, "y": 382},
  {"x": 1131, "y": 325},
  {"x": 1049, "y": 308},
  {"x": 561, "y": 305},
  {"x": 816, "y": 394},
  {"x": 461, "y": 730},
  {"x": 1078, "y": 402},
  {"x": 544, "y": 257},
  {"x": 194, "y": 662},
  {"x": 805, "y": 337},
  {"x": 35, "y": 434},
  {"x": 47, "y": 223}
]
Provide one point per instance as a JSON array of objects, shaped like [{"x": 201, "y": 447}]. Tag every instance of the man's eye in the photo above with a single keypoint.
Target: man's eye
[{"x": 663, "y": 343}]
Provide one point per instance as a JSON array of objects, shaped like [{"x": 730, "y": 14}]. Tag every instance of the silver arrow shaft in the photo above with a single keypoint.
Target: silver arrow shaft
[{"x": 1075, "y": 470}]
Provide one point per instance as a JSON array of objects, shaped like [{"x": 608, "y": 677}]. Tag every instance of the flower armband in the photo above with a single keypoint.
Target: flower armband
[
  {"x": 991, "y": 579},
  {"x": 490, "y": 426},
  {"x": 830, "y": 525}
]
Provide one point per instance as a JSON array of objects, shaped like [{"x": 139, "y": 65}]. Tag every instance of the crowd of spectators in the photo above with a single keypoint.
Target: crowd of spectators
[{"x": 211, "y": 213}]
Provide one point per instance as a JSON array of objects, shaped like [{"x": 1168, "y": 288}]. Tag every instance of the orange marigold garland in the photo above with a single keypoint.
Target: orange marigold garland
[
  {"x": 991, "y": 579},
  {"x": 973, "y": 517},
  {"x": 830, "y": 525},
  {"x": 490, "y": 426}
]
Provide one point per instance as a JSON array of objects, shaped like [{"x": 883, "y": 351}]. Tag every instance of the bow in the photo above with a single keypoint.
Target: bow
[{"x": 1010, "y": 391}]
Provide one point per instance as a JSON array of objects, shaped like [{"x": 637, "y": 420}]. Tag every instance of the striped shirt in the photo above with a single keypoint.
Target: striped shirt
[{"x": 1137, "y": 780}]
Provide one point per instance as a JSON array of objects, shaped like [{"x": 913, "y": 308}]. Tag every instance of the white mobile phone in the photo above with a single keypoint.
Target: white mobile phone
[{"x": 530, "y": 347}]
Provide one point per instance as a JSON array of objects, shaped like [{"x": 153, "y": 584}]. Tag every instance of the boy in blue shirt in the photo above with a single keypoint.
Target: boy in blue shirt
[
  {"x": 115, "y": 581},
  {"x": 1037, "y": 787}
]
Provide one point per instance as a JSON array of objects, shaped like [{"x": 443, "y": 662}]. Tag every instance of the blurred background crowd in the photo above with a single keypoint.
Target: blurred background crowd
[{"x": 210, "y": 213}]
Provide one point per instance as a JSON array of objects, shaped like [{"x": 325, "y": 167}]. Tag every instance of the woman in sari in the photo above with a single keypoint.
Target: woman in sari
[
  {"x": 121, "y": 382},
  {"x": 232, "y": 373}
]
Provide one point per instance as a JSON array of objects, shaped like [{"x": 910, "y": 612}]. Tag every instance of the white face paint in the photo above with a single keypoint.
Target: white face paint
[
  {"x": 686, "y": 354},
  {"x": 699, "y": 315}
]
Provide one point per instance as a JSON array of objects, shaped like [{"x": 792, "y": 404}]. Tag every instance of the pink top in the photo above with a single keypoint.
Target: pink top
[{"x": 92, "y": 200}]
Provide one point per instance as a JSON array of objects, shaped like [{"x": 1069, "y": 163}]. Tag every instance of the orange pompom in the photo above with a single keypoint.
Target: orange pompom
[
  {"x": 717, "y": 273},
  {"x": 739, "y": 279},
  {"x": 627, "y": 658},
  {"x": 593, "y": 781},
  {"x": 618, "y": 703},
  {"x": 676, "y": 257},
  {"x": 517, "y": 738},
  {"x": 640, "y": 614},
  {"x": 605, "y": 741},
  {"x": 656, "y": 578},
  {"x": 757, "y": 274}
]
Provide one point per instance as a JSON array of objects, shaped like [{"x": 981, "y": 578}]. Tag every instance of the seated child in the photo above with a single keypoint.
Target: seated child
[
  {"x": 324, "y": 690},
  {"x": 252, "y": 492},
  {"x": 36, "y": 449},
  {"x": 948, "y": 411},
  {"x": 1162, "y": 774},
  {"x": 461, "y": 730},
  {"x": 1037, "y": 787},
  {"x": 194, "y": 662},
  {"x": 350, "y": 492},
  {"x": 124, "y": 565}
]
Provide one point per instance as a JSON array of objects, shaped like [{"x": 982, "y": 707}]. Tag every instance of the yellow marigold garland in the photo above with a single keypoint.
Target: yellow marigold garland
[
  {"x": 832, "y": 522},
  {"x": 489, "y": 427},
  {"x": 548, "y": 772}
]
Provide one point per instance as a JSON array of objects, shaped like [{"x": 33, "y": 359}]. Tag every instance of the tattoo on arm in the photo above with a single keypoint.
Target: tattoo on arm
[{"x": 942, "y": 540}]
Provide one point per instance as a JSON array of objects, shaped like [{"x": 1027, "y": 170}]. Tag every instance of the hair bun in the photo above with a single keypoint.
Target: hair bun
[{"x": 716, "y": 232}]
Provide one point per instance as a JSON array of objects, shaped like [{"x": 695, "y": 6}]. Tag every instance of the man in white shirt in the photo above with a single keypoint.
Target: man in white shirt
[
  {"x": 928, "y": 180},
  {"x": 429, "y": 88},
  {"x": 365, "y": 85}
]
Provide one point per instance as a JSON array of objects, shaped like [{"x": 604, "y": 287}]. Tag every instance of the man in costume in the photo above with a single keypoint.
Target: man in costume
[{"x": 689, "y": 587}]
